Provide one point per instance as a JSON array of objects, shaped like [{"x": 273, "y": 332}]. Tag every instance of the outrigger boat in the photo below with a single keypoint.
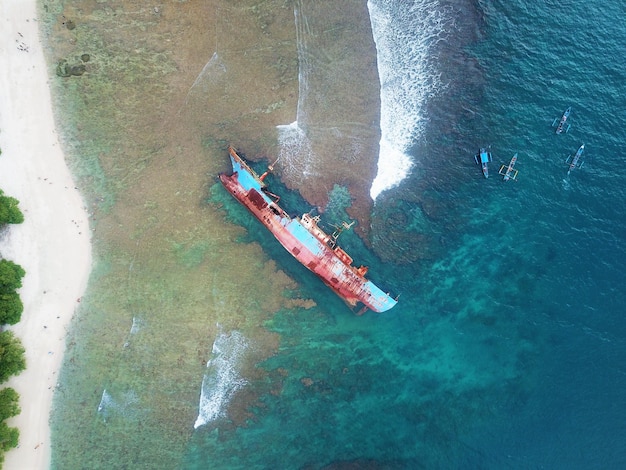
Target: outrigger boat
[
  {"x": 483, "y": 158},
  {"x": 575, "y": 161},
  {"x": 509, "y": 172},
  {"x": 562, "y": 125}
]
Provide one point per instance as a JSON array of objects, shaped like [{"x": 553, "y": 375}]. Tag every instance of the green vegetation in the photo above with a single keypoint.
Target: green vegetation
[
  {"x": 9, "y": 404},
  {"x": 8, "y": 438},
  {"x": 9, "y": 407},
  {"x": 11, "y": 306},
  {"x": 12, "y": 360},
  {"x": 9, "y": 212}
]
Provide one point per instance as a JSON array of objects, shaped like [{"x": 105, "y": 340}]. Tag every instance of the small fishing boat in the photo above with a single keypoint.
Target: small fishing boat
[
  {"x": 562, "y": 125},
  {"x": 482, "y": 158},
  {"x": 575, "y": 161},
  {"x": 509, "y": 172}
]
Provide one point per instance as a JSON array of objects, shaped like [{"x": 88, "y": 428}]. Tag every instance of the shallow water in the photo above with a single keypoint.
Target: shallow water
[{"x": 507, "y": 345}]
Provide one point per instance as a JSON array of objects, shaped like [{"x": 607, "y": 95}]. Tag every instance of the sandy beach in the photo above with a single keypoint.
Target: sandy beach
[{"x": 53, "y": 244}]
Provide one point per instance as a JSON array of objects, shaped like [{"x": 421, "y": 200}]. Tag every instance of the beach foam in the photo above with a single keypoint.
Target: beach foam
[
  {"x": 404, "y": 38},
  {"x": 295, "y": 150},
  {"x": 222, "y": 378}
]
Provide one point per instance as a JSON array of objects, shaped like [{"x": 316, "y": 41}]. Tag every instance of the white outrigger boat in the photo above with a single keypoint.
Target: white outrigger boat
[
  {"x": 575, "y": 161},
  {"x": 562, "y": 125},
  {"x": 509, "y": 172}
]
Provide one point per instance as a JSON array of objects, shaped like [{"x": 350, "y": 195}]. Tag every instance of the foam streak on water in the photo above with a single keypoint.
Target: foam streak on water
[
  {"x": 404, "y": 38},
  {"x": 213, "y": 69},
  {"x": 123, "y": 405},
  {"x": 211, "y": 73},
  {"x": 222, "y": 378},
  {"x": 295, "y": 148},
  {"x": 135, "y": 326}
]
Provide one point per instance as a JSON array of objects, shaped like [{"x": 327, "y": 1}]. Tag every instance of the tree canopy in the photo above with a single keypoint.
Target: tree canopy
[
  {"x": 12, "y": 360},
  {"x": 11, "y": 306},
  {"x": 9, "y": 403},
  {"x": 8, "y": 437},
  {"x": 11, "y": 275},
  {"x": 10, "y": 213}
]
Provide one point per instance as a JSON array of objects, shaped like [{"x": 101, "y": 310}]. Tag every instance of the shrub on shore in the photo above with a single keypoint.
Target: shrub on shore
[
  {"x": 10, "y": 213},
  {"x": 9, "y": 407},
  {"x": 8, "y": 439},
  {"x": 9, "y": 403},
  {"x": 12, "y": 360},
  {"x": 11, "y": 306}
]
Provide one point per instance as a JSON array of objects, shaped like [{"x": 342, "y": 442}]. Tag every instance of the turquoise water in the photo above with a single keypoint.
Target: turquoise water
[{"x": 507, "y": 349}]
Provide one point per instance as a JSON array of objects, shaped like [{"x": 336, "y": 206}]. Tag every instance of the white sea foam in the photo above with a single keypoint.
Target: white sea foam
[
  {"x": 295, "y": 150},
  {"x": 404, "y": 36},
  {"x": 124, "y": 405},
  {"x": 303, "y": 33},
  {"x": 213, "y": 69},
  {"x": 106, "y": 402},
  {"x": 210, "y": 75},
  {"x": 134, "y": 327},
  {"x": 222, "y": 378}
]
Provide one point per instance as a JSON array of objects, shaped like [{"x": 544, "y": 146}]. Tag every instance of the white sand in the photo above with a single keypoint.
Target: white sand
[{"x": 53, "y": 244}]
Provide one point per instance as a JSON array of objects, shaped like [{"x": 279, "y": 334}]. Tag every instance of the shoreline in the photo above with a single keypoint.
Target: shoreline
[{"x": 53, "y": 244}]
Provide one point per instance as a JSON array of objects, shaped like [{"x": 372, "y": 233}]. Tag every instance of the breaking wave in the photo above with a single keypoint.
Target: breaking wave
[
  {"x": 212, "y": 72},
  {"x": 221, "y": 379},
  {"x": 124, "y": 405},
  {"x": 404, "y": 37},
  {"x": 295, "y": 149},
  {"x": 135, "y": 326}
]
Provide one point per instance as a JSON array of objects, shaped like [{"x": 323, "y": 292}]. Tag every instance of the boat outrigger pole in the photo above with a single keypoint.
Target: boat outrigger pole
[
  {"x": 562, "y": 126},
  {"x": 575, "y": 161},
  {"x": 509, "y": 172}
]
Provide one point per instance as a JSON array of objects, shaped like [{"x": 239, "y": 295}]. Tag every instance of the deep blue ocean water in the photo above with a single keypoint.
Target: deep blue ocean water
[{"x": 509, "y": 349}]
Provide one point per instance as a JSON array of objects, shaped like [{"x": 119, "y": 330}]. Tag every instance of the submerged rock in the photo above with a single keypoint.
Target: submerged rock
[{"x": 64, "y": 69}]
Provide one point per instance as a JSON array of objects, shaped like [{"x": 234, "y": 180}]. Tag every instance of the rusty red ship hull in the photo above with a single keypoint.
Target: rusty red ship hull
[{"x": 302, "y": 237}]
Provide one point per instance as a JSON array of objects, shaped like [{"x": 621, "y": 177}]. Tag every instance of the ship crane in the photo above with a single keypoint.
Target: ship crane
[
  {"x": 338, "y": 229},
  {"x": 270, "y": 169}
]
